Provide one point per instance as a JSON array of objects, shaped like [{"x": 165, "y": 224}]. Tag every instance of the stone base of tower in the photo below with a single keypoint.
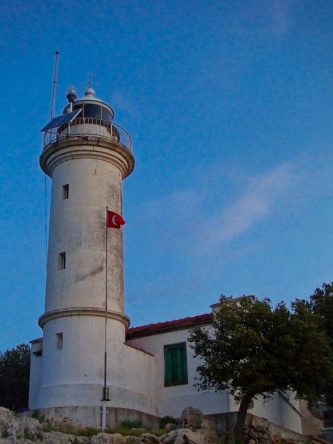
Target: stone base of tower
[{"x": 91, "y": 416}]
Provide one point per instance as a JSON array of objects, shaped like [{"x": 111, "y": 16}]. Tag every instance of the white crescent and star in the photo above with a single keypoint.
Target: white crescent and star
[{"x": 114, "y": 220}]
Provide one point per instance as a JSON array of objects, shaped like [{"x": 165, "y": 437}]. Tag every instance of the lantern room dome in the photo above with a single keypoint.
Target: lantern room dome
[{"x": 91, "y": 105}]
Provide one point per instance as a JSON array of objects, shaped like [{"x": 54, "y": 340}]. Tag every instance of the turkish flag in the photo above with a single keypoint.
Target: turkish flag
[{"x": 114, "y": 220}]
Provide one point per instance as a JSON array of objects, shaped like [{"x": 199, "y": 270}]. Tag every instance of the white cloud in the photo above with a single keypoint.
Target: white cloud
[
  {"x": 255, "y": 203},
  {"x": 200, "y": 220}
]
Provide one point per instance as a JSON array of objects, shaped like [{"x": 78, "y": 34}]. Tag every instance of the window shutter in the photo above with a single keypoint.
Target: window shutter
[{"x": 175, "y": 364}]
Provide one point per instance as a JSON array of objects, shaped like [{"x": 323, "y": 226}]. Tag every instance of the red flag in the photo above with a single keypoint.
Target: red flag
[{"x": 114, "y": 220}]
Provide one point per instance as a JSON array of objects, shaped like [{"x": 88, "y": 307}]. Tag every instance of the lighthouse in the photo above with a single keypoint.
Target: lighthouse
[
  {"x": 89, "y": 365},
  {"x": 82, "y": 364}
]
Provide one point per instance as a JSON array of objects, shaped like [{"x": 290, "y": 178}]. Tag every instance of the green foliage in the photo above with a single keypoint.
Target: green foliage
[
  {"x": 14, "y": 377},
  {"x": 131, "y": 424},
  {"x": 129, "y": 431},
  {"x": 70, "y": 429},
  {"x": 254, "y": 349},
  {"x": 46, "y": 427},
  {"x": 36, "y": 414},
  {"x": 167, "y": 420},
  {"x": 157, "y": 432},
  {"x": 90, "y": 431},
  {"x": 28, "y": 435},
  {"x": 129, "y": 428},
  {"x": 40, "y": 436},
  {"x": 4, "y": 433},
  {"x": 322, "y": 304},
  {"x": 228, "y": 438},
  {"x": 134, "y": 428}
]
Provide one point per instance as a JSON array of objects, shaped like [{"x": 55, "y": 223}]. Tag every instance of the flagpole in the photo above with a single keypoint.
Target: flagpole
[{"x": 105, "y": 392}]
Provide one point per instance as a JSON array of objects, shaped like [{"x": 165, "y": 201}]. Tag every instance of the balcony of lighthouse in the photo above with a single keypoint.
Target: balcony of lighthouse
[
  {"x": 87, "y": 119},
  {"x": 86, "y": 127}
]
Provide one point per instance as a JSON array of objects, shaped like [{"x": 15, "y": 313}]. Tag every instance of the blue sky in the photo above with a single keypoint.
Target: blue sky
[{"x": 230, "y": 107}]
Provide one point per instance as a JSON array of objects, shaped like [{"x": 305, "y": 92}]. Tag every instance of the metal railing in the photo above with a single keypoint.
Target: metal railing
[{"x": 88, "y": 126}]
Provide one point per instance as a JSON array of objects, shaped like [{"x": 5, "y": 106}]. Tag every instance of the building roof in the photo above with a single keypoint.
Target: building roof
[{"x": 163, "y": 327}]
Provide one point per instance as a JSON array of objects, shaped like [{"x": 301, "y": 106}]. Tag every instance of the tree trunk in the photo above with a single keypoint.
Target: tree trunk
[{"x": 241, "y": 417}]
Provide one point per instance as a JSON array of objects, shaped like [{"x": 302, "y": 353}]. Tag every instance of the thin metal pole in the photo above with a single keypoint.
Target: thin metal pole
[
  {"x": 54, "y": 83},
  {"x": 106, "y": 296},
  {"x": 105, "y": 395}
]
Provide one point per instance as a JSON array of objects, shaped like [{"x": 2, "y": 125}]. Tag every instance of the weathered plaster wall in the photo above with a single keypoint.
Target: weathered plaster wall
[
  {"x": 172, "y": 400},
  {"x": 77, "y": 227}
]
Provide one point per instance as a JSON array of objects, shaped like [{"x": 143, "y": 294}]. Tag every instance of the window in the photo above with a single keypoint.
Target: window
[
  {"x": 94, "y": 111},
  {"x": 62, "y": 261},
  {"x": 106, "y": 115},
  {"x": 59, "y": 341},
  {"x": 175, "y": 364},
  {"x": 65, "y": 191}
]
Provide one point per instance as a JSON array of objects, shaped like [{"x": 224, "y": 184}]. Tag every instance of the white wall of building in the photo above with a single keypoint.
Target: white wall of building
[
  {"x": 77, "y": 227},
  {"x": 73, "y": 375},
  {"x": 172, "y": 400}
]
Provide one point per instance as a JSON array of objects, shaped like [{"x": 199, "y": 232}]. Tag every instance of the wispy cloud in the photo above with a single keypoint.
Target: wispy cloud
[
  {"x": 281, "y": 16},
  {"x": 256, "y": 202},
  {"x": 273, "y": 18},
  {"x": 200, "y": 219}
]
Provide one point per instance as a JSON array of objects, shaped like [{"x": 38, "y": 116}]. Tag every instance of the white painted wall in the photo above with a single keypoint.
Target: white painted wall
[
  {"x": 73, "y": 375},
  {"x": 172, "y": 400},
  {"x": 77, "y": 227}
]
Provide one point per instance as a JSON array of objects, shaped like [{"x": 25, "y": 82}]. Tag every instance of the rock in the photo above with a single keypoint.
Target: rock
[
  {"x": 106, "y": 438},
  {"x": 198, "y": 436},
  {"x": 169, "y": 438},
  {"x": 132, "y": 440},
  {"x": 17, "y": 429},
  {"x": 63, "y": 438},
  {"x": 192, "y": 435},
  {"x": 170, "y": 426},
  {"x": 62, "y": 424},
  {"x": 148, "y": 438},
  {"x": 208, "y": 425},
  {"x": 137, "y": 431},
  {"x": 191, "y": 418}
]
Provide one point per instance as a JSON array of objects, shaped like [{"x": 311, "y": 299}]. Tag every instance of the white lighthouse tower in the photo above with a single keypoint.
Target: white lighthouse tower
[{"x": 82, "y": 362}]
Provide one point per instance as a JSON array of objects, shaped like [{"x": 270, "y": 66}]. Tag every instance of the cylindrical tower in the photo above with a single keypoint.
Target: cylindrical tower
[{"x": 87, "y": 156}]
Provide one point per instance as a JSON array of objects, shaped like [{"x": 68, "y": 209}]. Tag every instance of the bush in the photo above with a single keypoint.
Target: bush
[
  {"x": 167, "y": 420},
  {"x": 131, "y": 424},
  {"x": 36, "y": 414}
]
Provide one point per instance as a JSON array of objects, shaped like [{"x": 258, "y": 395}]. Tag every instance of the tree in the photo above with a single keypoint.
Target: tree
[
  {"x": 14, "y": 377},
  {"x": 254, "y": 350},
  {"x": 322, "y": 304}
]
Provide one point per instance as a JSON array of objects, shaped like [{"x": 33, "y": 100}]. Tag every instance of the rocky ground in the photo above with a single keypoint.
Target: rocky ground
[
  {"x": 195, "y": 429},
  {"x": 16, "y": 429}
]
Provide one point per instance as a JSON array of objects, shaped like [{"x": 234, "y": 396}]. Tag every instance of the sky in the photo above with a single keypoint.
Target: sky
[{"x": 230, "y": 107}]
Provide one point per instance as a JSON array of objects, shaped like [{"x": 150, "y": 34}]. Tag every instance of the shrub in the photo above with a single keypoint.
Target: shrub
[
  {"x": 131, "y": 424},
  {"x": 4, "y": 433},
  {"x": 167, "y": 420},
  {"x": 36, "y": 414}
]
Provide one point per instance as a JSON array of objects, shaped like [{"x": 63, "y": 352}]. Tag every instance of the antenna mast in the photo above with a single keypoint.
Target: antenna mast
[{"x": 54, "y": 83}]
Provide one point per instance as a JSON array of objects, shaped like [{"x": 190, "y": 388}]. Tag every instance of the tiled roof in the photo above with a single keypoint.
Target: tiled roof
[
  {"x": 163, "y": 327},
  {"x": 36, "y": 341}
]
